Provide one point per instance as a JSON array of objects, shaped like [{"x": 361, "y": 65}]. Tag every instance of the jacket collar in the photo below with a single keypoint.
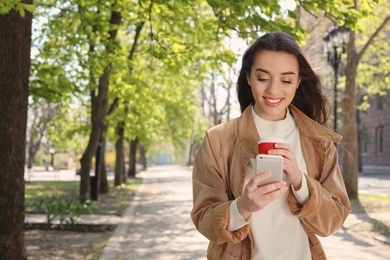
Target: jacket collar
[
  {"x": 247, "y": 131},
  {"x": 310, "y": 128},
  {"x": 249, "y": 136}
]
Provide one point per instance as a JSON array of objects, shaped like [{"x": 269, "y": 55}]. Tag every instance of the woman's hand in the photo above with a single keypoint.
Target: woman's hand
[
  {"x": 255, "y": 197},
  {"x": 290, "y": 166}
]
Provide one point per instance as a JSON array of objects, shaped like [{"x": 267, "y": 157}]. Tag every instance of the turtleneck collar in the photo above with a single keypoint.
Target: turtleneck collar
[{"x": 279, "y": 128}]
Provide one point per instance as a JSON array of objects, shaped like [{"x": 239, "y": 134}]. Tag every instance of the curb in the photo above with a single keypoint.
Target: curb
[
  {"x": 114, "y": 244},
  {"x": 383, "y": 239},
  {"x": 86, "y": 219}
]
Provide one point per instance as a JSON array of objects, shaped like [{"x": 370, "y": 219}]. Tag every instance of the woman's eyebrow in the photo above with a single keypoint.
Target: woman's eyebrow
[
  {"x": 288, "y": 73},
  {"x": 283, "y": 73},
  {"x": 263, "y": 70}
]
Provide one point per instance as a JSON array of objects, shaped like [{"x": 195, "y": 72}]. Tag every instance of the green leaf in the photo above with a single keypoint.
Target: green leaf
[
  {"x": 293, "y": 14},
  {"x": 28, "y": 7},
  {"x": 20, "y": 9}
]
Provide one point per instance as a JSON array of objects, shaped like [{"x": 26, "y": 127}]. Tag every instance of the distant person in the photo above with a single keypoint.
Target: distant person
[{"x": 281, "y": 96}]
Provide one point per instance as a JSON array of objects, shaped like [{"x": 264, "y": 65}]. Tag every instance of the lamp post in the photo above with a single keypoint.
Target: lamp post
[{"x": 335, "y": 41}]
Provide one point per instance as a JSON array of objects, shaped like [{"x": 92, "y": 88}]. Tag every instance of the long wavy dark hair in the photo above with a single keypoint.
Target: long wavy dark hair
[{"x": 309, "y": 97}]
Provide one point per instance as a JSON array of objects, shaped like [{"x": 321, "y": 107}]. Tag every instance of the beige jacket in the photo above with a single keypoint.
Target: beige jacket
[{"x": 219, "y": 175}]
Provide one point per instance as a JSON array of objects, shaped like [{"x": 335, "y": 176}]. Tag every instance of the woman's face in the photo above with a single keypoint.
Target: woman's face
[{"x": 274, "y": 79}]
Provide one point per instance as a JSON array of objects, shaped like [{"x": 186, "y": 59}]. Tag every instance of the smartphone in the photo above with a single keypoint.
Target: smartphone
[{"x": 270, "y": 163}]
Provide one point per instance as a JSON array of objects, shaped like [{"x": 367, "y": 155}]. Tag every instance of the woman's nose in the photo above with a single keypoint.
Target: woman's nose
[{"x": 273, "y": 87}]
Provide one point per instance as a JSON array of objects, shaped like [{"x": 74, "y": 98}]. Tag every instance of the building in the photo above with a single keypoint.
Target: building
[{"x": 374, "y": 135}]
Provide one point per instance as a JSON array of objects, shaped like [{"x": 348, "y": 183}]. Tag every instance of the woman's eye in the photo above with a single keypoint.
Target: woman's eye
[
  {"x": 286, "y": 81},
  {"x": 261, "y": 79}
]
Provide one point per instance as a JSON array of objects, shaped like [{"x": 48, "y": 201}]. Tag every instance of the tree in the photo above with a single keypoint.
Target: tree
[
  {"x": 15, "y": 43},
  {"x": 120, "y": 174},
  {"x": 99, "y": 107},
  {"x": 40, "y": 116},
  {"x": 373, "y": 71},
  {"x": 361, "y": 15},
  {"x": 182, "y": 42},
  {"x": 349, "y": 106},
  {"x": 84, "y": 49},
  {"x": 119, "y": 155},
  {"x": 55, "y": 119}
]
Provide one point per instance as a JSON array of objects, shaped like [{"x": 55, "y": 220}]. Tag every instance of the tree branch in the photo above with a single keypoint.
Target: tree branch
[
  {"x": 151, "y": 25},
  {"x": 137, "y": 33},
  {"x": 369, "y": 42},
  {"x": 220, "y": 17},
  {"x": 113, "y": 106},
  {"x": 302, "y": 4}
]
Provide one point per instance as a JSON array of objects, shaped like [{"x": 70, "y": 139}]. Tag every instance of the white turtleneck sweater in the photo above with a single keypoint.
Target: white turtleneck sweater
[{"x": 276, "y": 232}]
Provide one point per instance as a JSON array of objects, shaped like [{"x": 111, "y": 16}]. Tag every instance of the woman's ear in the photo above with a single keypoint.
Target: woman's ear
[{"x": 248, "y": 79}]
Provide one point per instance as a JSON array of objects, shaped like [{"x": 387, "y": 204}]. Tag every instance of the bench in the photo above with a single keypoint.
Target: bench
[{"x": 31, "y": 174}]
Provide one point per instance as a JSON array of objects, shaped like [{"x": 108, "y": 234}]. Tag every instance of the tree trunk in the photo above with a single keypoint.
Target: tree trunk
[
  {"x": 119, "y": 156},
  {"x": 86, "y": 159},
  {"x": 190, "y": 154},
  {"x": 103, "y": 183},
  {"x": 98, "y": 115},
  {"x": 350, "y": 158},
  {"x": 228, "y": 105},
  {"x": 15, "y": 45},
  {"x": 359, "y": 144},
  {"x": 33, "y": 146},
  {"x": 213, "y": 100},
  {"x": 32, "y": 150},
  {"x": 133, "y": 158},
  {"x": 142, "y": 158}
]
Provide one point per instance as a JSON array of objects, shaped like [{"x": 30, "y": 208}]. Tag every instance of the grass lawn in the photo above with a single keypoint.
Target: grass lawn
[
  {"x": 58, "y": 244},
  {"x": 114, "y": 202},
  {"x": 370, "y": 203}
]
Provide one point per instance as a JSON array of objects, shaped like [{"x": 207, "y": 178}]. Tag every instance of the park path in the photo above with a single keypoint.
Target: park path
[
  {"x": 159, "y": 225},
  {"x": 162, "y": 227}
]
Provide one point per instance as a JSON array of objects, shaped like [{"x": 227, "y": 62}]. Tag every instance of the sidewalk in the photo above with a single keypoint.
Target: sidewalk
[
  {"x": 160, "y": 226},
  {"x": 157, "y": 225}
]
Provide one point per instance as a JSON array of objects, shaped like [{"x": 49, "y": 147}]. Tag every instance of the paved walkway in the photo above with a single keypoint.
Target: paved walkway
[
  {"x": 160, "y": 227},
  {"x": 157, "y": 225}
]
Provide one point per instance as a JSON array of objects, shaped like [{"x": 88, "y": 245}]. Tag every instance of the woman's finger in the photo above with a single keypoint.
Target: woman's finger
[{"x": 264, "y": 189}]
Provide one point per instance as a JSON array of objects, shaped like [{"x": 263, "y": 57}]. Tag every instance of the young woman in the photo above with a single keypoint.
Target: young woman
[{"x": 280, "y": 96}]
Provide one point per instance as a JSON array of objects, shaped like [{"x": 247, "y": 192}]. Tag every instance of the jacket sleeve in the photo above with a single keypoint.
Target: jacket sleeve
[
  {"x": 328, "y": 205},
  {"x": 211, "y": 203}
]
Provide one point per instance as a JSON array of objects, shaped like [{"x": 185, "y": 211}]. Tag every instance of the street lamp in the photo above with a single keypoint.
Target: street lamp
[{"x": 335, "y": 41}]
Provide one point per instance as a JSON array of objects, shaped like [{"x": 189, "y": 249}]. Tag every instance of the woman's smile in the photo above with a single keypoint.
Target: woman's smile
[{"x": 272, "y": 102}]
